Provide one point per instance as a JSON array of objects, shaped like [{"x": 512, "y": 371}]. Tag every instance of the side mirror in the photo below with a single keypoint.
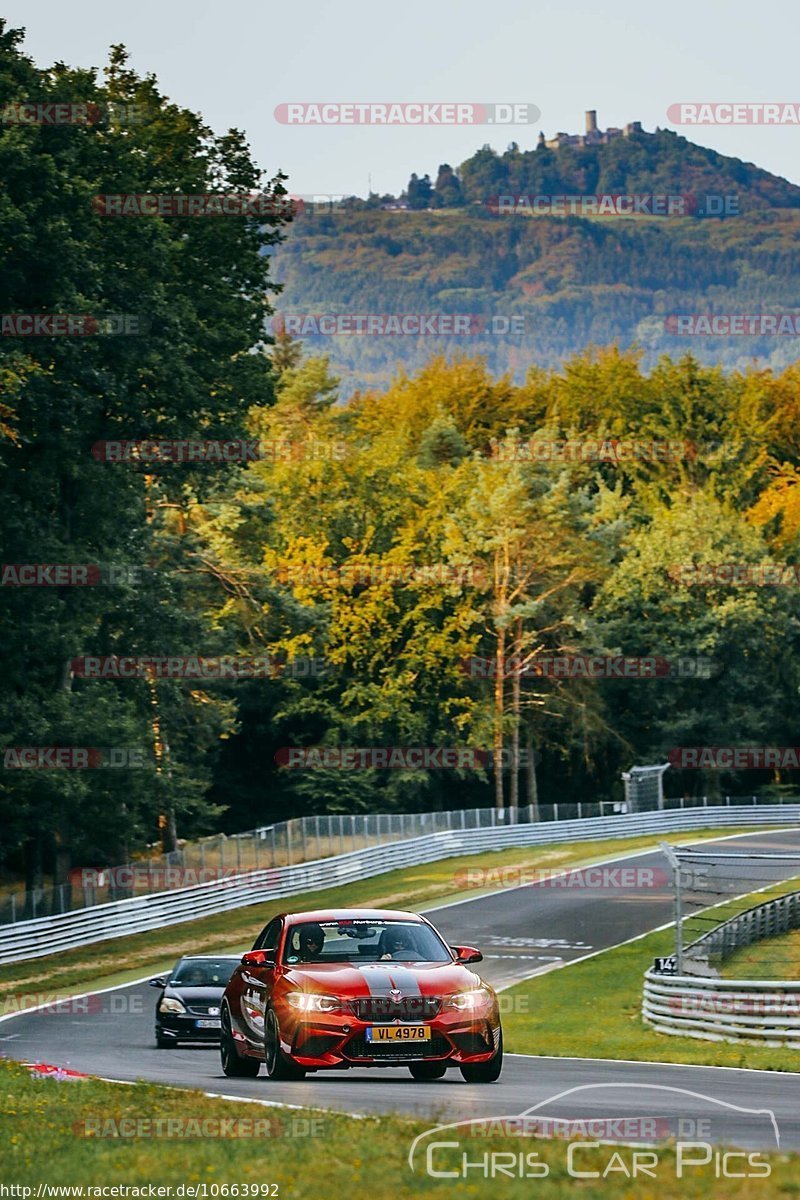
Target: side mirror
[
  {"x": 158, "y": 982},
  {"x": 467, "y": 954},
  {"x": 257, "y": 958}
]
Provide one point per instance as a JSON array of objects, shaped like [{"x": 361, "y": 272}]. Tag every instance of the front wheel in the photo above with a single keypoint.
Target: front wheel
[
  {"x": 278, "y": 1065},
  {"x": 426, "y": 1072},
  {"x": 233, "y": 1065},
  {"x": 165, "y": 1043},
  {"x": 485, "y": 1072}
]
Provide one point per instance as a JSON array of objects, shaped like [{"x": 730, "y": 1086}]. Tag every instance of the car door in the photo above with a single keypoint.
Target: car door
[{"x": 256, "y": 981}]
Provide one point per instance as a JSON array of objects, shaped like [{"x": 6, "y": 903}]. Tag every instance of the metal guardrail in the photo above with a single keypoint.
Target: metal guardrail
[
  {"x": 764, "y": 1012},
  {"x": 48, "y": 935},
  {"x": 301, "y": 839},
  {"x": 763, "y": 921}
]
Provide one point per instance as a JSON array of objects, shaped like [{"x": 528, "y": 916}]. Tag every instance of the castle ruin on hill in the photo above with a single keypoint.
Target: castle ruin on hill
[{"x": 592, "y": 137}]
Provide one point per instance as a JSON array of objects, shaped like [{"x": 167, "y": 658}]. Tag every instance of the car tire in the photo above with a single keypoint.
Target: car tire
[
  {"x": 426, "y": 1072},
  {"x": 165, "y": 1043},
  {"x": 485, "y": 1072},
  {"x": 278, "y": 1065},
  {"x": 233, "y": 1064}
]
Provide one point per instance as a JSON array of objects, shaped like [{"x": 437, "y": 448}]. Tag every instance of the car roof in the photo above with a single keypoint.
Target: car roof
[
  {"x": 353, "y": 914},
  {"x": 208, "y": 957}
]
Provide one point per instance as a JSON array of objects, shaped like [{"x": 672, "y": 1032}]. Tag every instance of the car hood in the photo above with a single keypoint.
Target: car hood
[
  {"x": 196, "y": 995},
  {"x": 380, "y": 979}
]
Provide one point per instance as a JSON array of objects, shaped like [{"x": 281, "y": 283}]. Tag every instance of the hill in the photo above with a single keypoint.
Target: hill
[{"x": 541, "y": 288}]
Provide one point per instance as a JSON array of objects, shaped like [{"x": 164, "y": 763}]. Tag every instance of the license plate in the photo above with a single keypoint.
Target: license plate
[
  {"x": 211, "y": 1023},
  {"x": 399, "y": 1033}
]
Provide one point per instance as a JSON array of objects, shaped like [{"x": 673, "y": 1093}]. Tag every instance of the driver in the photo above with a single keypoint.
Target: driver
[
  {"x": 399, "y": 944},
  {"x": 311, "y": 940}
]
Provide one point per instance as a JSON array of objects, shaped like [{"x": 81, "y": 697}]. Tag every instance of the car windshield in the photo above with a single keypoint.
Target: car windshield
[
  {"x": 364, "y": 941},
  {"x": 203, "y": 972}
]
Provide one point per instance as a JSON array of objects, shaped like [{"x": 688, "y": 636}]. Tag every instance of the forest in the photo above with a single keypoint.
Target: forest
[{"x": 391, "y": 564}]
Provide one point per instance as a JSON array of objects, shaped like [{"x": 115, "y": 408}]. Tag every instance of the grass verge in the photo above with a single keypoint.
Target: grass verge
[
  {"x": 43, "y": 1125},
  {"x": 774, "y": 958},
  {"x": 120, "y": 960}
]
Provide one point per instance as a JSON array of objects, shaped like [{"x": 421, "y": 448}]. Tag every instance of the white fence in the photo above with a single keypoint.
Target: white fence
[{"x": 48, "y": 935}]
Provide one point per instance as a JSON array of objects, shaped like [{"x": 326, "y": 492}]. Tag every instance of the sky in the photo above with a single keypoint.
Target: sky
[{"x": 235, "y": 64}]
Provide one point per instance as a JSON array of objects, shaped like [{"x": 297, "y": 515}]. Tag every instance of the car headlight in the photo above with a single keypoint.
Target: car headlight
[
  {"x": 465, "y": 1001},
  {"x": 170, "y": 1004},
  {"x": 313, "y": 1002}
]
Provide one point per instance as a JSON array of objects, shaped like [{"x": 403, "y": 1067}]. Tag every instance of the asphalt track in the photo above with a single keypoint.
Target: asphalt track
[{"x": 522, "y": 931}]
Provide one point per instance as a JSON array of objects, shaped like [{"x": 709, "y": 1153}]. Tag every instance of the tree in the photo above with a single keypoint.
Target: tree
[
  {"x": 419, "y": 192},
  {"x": 201, "y": 288},
  {"x": 447, "y": 189}
]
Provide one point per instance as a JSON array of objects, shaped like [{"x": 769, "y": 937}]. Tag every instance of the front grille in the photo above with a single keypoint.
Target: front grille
[
  {"x": 382, "y": 1009},
  {"x": 359, "y": 1047},
  {"x": 202, "y": 1010}
]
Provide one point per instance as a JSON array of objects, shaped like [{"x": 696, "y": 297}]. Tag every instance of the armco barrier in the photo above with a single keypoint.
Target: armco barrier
[
  {"x": 766, "y": 920},
  {"x": 764, "y": 1012},
  {"x": 47, "y": 935}
]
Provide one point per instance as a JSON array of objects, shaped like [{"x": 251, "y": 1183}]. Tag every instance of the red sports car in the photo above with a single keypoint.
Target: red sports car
[{"x": 359, "y": 988}]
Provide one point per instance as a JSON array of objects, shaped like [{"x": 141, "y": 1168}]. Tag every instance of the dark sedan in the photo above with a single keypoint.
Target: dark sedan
[{"x": 187, "y": 1010}]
